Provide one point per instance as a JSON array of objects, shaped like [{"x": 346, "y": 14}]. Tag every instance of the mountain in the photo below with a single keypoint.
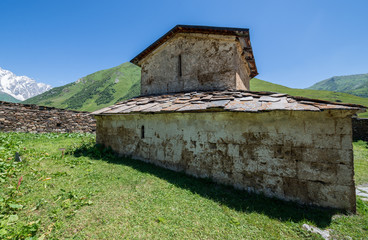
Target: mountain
[
  {"x": 20, "y": 87},
  {"x": 95, "y": 91},
  {"x": 7, "y": 98},
  {"x": 106, "y": 87},
  {"x": 352, "y": 84}
]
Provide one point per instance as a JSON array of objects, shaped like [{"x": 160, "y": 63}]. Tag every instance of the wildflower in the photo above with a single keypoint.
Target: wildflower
[{"x": 19, "y": 182}]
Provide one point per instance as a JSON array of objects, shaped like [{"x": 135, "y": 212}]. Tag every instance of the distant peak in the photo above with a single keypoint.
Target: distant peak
[{"x": 20, "y": 87}]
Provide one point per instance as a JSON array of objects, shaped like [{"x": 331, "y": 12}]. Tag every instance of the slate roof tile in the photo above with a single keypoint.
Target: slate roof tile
[{"x": 240, "y": 101}]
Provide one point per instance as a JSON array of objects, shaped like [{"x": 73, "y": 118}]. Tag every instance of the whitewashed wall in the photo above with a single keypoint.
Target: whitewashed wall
[{"x": 293, "y": 155}]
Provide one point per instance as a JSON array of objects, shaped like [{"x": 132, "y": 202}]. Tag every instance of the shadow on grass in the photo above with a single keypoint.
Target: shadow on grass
[{"x": 226, "y": 195}]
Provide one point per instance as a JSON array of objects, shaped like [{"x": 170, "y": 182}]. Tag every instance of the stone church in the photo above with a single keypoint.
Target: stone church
[{"x": 196, "y": 114}]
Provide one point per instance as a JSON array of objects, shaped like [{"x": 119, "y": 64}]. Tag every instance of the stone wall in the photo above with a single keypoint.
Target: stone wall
[
  {"x": 293, "y": 155},
  {"x": 195, "y": 62},
  {"x": 32, "y": 118},
  {"x": 360, "y": 129}
]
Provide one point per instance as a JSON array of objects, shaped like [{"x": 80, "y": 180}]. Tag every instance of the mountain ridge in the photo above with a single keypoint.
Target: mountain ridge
[
  {"x": 356, "y": 84},
  {"x": 20, "y": 87}
]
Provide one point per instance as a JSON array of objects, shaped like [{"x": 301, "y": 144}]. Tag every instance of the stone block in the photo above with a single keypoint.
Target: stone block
[
  {"x": 289, "y": 153},
  {"x": 332, "y": 195},
  {"x": 346, "y": 156},
  {"x": 328, "y": 155},
  {"x": 250, "y": 166},
  {"x": 221, "y": 177},
  {"x": 345, "y": 174},
  {"x": 254, "y": 138},
  {"x": 298, "y": 140},
  {"x": 327, "y": 141},
  {"x": 253, "y": 180},
  {"x": 273, "y": 185},
  {"x": 325, "y": 126},
  {"x": 333, "y": 156},
  {"x": 278, "y": 166},
  {"x": 317, "y": 171},
  {"x": 237, "y": 178},
  {"x": 263, "y": 153},
  {"x": 233, "y": 150},
  {"x": 346, "y": 141},
  {"x": 343, "y": 126},
  {"x": 295, "y": 189}
]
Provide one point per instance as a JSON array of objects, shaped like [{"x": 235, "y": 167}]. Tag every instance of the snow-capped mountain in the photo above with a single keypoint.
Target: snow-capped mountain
[{"x": 20, "y": 87}]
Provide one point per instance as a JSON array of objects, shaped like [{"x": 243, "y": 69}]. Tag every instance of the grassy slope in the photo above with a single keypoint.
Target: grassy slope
[
  {"x": 91, "y": 194},
  {"x": 7, "y": 98},
  {"x": 353, "y": 84},
  {"x": 95, "y": 91},
  {"x": 259, "y": 85}
]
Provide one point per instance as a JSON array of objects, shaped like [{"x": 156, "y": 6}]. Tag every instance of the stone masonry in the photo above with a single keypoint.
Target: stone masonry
[
  {"x": 302, "y": 156},
  {"x": 360, "y": 129},
  {"x": 19, "y": 117},
  {"x": 195, "y": 62},
  {"x": 197, "y": 114}
]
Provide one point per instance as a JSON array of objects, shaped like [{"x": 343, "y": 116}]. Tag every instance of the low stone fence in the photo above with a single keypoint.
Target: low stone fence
[
  {"x": 17, "y": 117},
  {"x": 360, "y": 129}
]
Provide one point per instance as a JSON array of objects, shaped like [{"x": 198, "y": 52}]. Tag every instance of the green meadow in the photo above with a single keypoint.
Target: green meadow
[{"x": 66, "y": 187}]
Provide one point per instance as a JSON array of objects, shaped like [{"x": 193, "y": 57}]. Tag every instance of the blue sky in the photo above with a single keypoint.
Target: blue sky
[{"x": 296, "y": 42}]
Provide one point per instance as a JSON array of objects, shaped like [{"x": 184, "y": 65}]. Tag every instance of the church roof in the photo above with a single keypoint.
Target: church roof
[
  {"x": 233, "y": 101},
  {"x": 241, "y": 33}
]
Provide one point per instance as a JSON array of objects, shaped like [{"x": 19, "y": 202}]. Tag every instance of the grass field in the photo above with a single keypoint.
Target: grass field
[
  {"x": 90, "y": 194},
  {"x": 361, "y": 162}
]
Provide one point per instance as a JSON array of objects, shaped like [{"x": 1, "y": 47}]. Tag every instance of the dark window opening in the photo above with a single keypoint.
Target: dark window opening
[
  {"x": 180, "y": 73},
  {"x": 58, "y": 124},
  {"x": 142, "y": 132}
]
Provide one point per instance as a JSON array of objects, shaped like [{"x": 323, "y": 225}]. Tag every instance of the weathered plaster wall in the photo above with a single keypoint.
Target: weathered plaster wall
[
  {"x": 301, "y": 156},
  {"x": 17, "y": 117},
  {"x": 208, "y": 62},
  {"x": 242, "y": 72}
]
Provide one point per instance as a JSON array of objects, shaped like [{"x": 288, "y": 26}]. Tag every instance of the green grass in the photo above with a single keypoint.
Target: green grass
[
  {"x": 361, "y": 162},
  {"x": 92, "y": 194},
  {"x": 260, "y": 85}
]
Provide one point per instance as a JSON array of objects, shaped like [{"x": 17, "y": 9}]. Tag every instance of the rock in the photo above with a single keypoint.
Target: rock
[
  {"x": 17, "y": 158},
  {"x": 362, "y": 191},
  {"x": 324, "y": 233}
]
